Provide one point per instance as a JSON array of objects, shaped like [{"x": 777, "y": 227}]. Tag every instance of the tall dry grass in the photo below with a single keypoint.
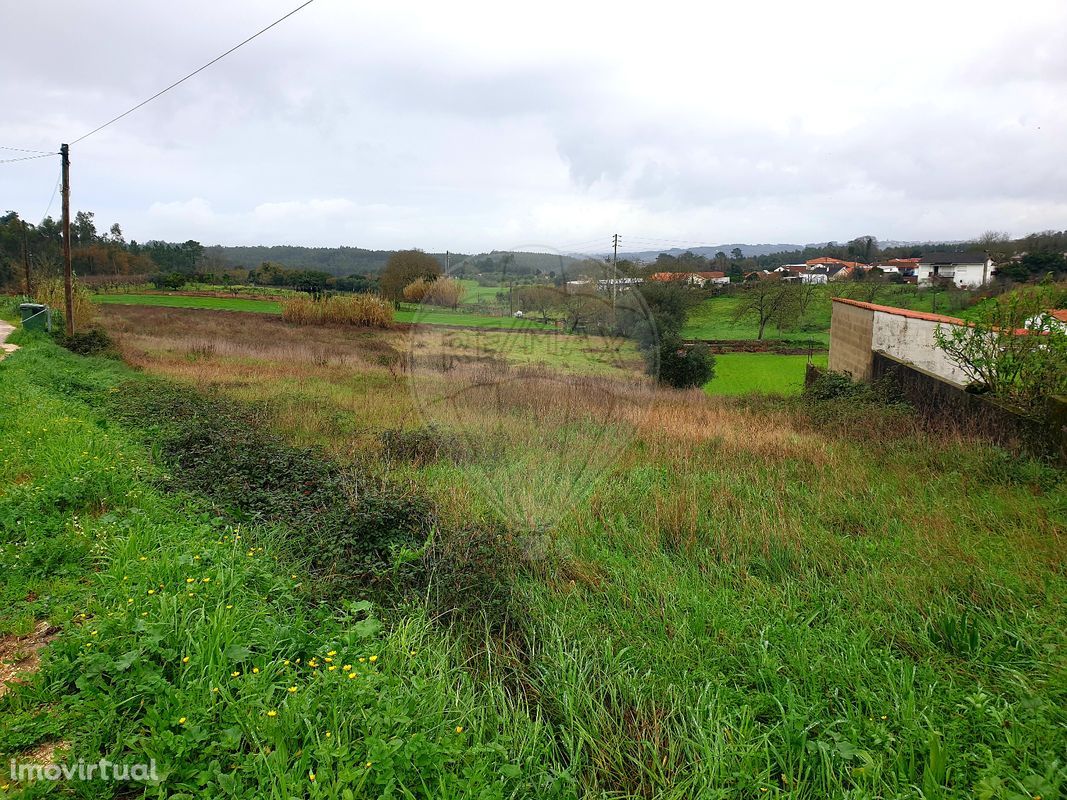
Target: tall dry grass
[
  {"x": 51, "y": 293},
  {"x": 445, "y": 292},
  {"x": 362, "y": 310}
]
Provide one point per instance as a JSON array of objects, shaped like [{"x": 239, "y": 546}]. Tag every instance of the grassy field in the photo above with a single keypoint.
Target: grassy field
[
  {"x": 760, "y": 373},
  {"x": 714, "y": 318},
  {"x": 632, "y": 593},
  {"x": 407, "y": 312}
]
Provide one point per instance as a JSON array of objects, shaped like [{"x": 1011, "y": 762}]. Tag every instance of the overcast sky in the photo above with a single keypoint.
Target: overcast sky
[{"x": 476, "y": 126}]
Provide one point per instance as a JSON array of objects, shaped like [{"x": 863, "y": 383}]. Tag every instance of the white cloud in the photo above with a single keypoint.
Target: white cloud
[{"x": 483, "y": 125}]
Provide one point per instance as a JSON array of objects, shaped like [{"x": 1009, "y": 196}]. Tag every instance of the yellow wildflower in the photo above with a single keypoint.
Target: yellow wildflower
[
  {"x": 272, "y": 713},
  {"x": 459, "y": 729}
]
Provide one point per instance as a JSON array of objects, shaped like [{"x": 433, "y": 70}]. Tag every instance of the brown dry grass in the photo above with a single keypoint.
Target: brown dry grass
[{"x": 357, "y": 310}]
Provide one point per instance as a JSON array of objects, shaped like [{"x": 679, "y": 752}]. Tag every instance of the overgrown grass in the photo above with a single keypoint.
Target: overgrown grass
[{"x": 746, "y": 601}]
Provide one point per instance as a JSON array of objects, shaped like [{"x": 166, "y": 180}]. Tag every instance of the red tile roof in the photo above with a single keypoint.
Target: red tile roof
[{"x": 1060, "y": 314}]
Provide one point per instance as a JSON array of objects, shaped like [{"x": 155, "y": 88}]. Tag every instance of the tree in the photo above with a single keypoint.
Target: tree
[
  {"x": 541, "y": 299},
  {"x": 83, "y": 229},
  {"x": 863, "y": 248},
  {"x": 402, "y": 268},
  {"x": 736, "y": 254},
  {"x": 767, "y": 300},
  {"x": 660, "y": 316},
  {"x": 1014, "y": 349},
  {"x": 1034, "y": 265}
]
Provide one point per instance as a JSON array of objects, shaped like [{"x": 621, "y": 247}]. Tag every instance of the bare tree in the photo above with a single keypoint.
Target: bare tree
[{"x": 768, "y": 300}]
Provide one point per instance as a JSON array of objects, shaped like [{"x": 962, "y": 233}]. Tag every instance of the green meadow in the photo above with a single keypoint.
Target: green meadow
[
  {"x": 760, "y": 373},
  {"x": 290, "y": 578}
]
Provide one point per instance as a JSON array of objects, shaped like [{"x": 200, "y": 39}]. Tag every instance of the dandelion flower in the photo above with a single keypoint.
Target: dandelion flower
[
  {"x": 255, "y": 670},
  {"x": 332, "y": 653},
  {"x": 351, "y": 675},
  {"x": 367, "y": 765},
  {"x": 361, "y": 659},
  {"x": 214, "y": 689},
  {"x": 292, "y": 690},
  {"x": 332, "y": 667},
  {"x": 235, "y": 673},
  {"x": 181, "y": 721},
  {"x": 311, "y": 777},
  {"x": 459, "y": 729},
  {"x": 272, "y": 713},
  {"x": 185, "y": 660},
  {"x": 346, "y": 668},
  {"x": 151, "y": 591},
  {"x": 229, "y": 606},
  {"x": 129, "y": 600},
  {"x": 328, "y": 734},
  {"x": 190, "y": 580},
  {"x": 373, "y": 659},
  {"x": 286, "y": 662}
]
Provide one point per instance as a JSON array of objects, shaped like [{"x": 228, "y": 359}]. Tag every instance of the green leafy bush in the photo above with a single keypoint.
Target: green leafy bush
[{"x": 684, "y": 367}]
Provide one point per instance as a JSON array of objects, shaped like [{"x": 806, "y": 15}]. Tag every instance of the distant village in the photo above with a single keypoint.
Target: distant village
[{"x": 962, "y": 270}]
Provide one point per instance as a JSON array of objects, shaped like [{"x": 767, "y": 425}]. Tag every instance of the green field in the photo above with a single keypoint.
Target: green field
[
  {"x": 407, "y": 312},
  {"x": 552, "y": 588},
  {"x": 714, "y": 318},
  {"x": 760, "y": 373}
]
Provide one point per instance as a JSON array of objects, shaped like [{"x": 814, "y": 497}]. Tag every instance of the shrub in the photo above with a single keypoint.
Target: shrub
[
  {"x": 52, "y": 293},
  {"x": 362, "y": 310},
  {"x": 683, "y": 367},
  {"x": 1014, "y": 349},
  {"x": 445, "y": 292},
  {"x": 90, "y": 342},
  {"x": 415, "y": 291},
  {"x": 168, "y": 280}
]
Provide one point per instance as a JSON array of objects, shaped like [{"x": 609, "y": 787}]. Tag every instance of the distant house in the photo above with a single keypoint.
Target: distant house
[
  {"x": 691, "y": 278},
  {"x": 966, "y": 270},
  {"x": 1056, "y": 318}
]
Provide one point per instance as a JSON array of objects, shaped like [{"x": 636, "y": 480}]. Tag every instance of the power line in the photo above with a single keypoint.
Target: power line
[
  {"x": 194, "y": 72},
  {"x": 26, "y": 158},
  {"x": 54, "y": 190},
  {"x": 26, "y": 150}
]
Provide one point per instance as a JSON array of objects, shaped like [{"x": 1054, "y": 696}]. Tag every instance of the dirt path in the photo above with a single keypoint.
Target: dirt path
[{"x": 6, "y": 330}]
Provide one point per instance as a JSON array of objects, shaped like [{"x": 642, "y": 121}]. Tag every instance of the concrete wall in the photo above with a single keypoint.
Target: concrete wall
[
  {"x": 912, "y": 341},
  {"x": 851, "y": 331},
  {"x": 859, "y": 330}
]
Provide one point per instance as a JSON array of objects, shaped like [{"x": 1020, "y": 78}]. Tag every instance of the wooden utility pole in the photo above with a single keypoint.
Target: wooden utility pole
[
  {"x": 26, "y": 258},
  {"x": 68, "y": 279},
  {"x": 614, "y": 268}
]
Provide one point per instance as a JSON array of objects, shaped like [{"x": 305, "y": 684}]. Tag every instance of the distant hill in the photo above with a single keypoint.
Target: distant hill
[
  {"x": 334, "y": 260},
  {"x": 343, "y": 261},
  {"x": 747, "y": 251}
]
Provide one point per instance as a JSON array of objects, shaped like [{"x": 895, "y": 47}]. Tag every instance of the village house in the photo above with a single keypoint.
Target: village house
[
  {"x": 700, "y": 279},
  {"x": 966, "y": 270}
]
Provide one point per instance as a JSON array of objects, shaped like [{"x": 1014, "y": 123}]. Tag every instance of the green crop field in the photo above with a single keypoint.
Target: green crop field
[
  {"x": 297, "y": 568},
  {"x": 760, "y": 373},
  {"x": 407, "y": 312}
]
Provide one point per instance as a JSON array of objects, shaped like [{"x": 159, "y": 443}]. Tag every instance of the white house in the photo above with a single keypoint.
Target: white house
[{"x": 966, "y": 270}]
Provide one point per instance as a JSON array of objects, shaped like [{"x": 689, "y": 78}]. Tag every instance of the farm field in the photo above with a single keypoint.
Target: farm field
[
  {"x": 714, "y": 318},
  {"x": 566, "y": 584},
  {"x": 760, "y": 373},
  {"x": 407, "y": 312}
]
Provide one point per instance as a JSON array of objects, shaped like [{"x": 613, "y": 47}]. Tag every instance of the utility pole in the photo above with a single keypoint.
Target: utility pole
[
  {"x": 26, "y": 258},
  {"x": 614, "y": 268},
  {"x": 447, "y": 260},
  {"x": 68, "y": 280}
]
